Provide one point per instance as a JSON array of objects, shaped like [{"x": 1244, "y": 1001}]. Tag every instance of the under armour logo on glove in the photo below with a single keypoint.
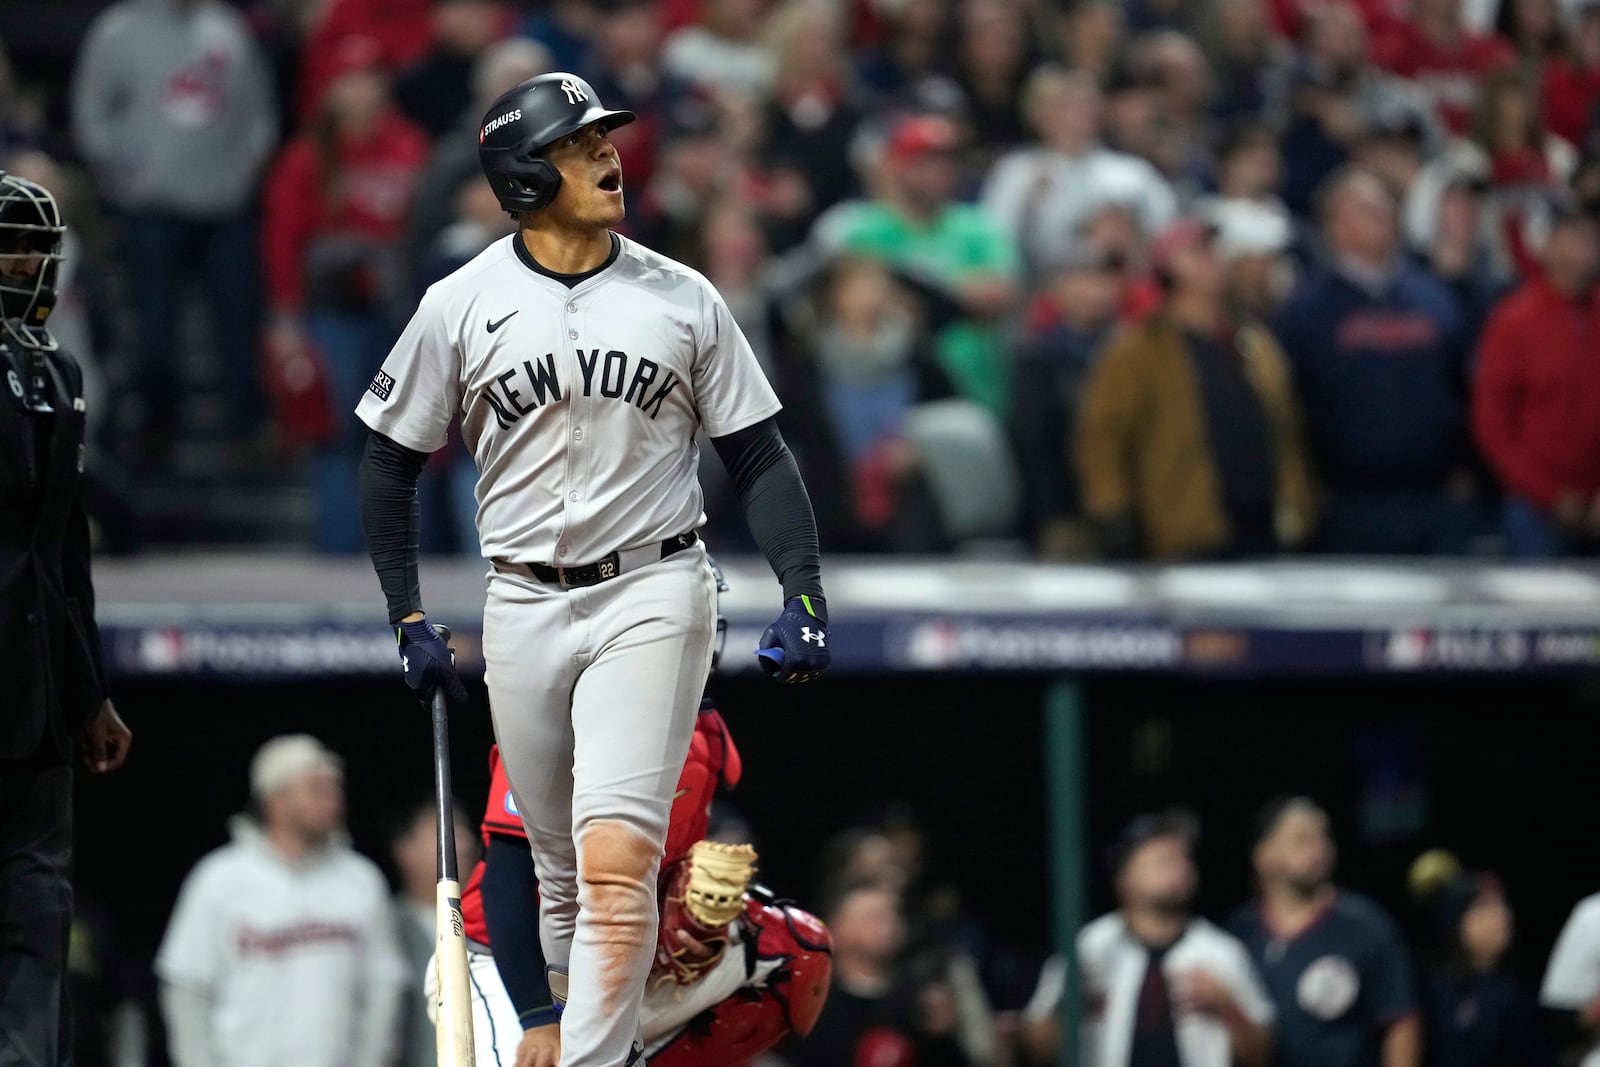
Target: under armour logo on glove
[
  {"x": 795, "y": 648},
  {"x": 428, "y": 662}
]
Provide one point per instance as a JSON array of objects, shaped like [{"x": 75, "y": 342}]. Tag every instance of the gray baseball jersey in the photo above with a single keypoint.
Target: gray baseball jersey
[{"x": 578, "y": 405}]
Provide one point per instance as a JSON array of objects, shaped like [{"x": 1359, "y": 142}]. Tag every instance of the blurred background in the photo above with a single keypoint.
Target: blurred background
[{"x": 1199, "y": 399}]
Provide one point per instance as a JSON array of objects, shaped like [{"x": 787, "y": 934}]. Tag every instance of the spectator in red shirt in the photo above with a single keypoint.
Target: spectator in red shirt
[
  {"x": 335, "y": 209},
  {"x": 1536, "y": 400},
  {"x": 1447, "y": 60},
  {"x": 1572, "y": 77}
]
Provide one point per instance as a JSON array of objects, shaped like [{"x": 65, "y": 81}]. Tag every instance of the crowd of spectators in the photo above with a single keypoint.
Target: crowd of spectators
[{"x": 1173, "y": 279}]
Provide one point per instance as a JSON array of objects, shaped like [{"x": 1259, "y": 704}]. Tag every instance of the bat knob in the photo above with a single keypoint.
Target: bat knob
[{"x": 443, "y": 631}]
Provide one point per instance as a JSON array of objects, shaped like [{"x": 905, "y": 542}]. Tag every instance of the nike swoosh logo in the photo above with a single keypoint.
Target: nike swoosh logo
[{"x": 493, "y": 326}]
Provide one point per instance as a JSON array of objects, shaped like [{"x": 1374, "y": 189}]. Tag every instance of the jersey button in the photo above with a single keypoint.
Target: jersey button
[
  {"x": 562, "y": 551},
  {"x": 572, "y": 307},
  {"x": 577, "y": 435},
  {"x": 573, "y": 496},
  {"x": 572, "y": 334}
]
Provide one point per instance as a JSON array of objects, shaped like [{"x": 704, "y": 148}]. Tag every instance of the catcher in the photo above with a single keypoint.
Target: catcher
[{"x": 736, "y": 969}]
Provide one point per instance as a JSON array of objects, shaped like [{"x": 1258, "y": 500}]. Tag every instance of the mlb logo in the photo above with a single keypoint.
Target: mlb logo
[{"x": 382, "y": 385}]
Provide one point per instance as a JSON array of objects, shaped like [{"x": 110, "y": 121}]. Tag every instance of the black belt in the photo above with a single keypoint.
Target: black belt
[{"x": 601, "y": 570}]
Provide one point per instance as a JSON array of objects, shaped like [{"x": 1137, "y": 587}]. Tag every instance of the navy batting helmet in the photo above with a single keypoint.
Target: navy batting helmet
[{"x": 525, "y": 121}]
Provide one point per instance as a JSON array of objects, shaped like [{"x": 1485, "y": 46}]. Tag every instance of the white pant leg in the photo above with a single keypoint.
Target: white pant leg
[
  {"x": 531, "y": 635},
  {"x": 633, "y": 713},
  {"x": 495, "y": 1030}
]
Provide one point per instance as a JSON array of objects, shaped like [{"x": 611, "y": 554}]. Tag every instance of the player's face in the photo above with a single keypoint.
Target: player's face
[{"x": 591, "y": 178}]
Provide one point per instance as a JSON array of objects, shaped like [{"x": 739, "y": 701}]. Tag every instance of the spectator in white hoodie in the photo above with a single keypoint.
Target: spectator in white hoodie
[{"x": 281, "y": 948}]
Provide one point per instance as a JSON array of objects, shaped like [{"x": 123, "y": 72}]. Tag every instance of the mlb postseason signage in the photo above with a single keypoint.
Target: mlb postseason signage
[{"x": 246, "y": 617}]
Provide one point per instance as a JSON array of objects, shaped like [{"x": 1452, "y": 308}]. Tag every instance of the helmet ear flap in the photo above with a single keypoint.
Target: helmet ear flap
[{"x": 526, "y": 184}]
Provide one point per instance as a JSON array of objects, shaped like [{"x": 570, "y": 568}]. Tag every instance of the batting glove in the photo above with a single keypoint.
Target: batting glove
[
  {"x": 795, "y": 648},
  {"x": 428, "y": 662}
]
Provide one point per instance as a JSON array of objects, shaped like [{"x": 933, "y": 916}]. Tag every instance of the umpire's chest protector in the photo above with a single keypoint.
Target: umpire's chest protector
[{"x": 579, "y": 406}]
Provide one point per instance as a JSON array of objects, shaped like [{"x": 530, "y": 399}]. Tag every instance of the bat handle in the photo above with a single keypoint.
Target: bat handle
[{"x": 444, "y": 793}]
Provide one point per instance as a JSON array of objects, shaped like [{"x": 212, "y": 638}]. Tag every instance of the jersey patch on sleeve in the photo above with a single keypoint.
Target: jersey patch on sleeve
[{"x": 382, "y": 385}]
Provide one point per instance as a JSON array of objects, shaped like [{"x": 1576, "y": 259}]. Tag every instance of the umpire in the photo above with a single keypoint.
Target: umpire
[{"x": 53, "y": 704}]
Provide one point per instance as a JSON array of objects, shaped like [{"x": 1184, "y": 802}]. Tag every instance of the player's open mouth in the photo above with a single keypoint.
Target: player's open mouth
[{"x": 612, "y": 182}]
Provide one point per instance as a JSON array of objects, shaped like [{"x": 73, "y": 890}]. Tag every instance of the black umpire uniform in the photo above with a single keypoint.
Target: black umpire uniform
[{"x": 52, "y": 679}]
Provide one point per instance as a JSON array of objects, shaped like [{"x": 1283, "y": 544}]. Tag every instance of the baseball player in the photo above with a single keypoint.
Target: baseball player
[
  {"x": 725, "y": 986},
  {"x": 581, "y": 366}
]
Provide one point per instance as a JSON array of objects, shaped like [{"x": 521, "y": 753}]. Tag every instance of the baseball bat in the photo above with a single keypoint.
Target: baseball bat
[{"x": 453, "y": 1009}]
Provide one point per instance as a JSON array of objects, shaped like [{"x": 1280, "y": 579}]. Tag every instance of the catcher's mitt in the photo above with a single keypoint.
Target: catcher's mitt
[{"x": 702, "y": 893}]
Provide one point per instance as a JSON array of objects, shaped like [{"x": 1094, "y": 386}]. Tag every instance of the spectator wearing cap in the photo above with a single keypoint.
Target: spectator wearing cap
[
  {"x": 1068, "y": 323},
  {"x": 437, "y": 90},
  {"x": 281, "y": 948},
  {"x": 1536, "y": 398},
  {"x": 1380, "y": 354},
  {"x": 1041, "y": 194},
  {"x": 1476, "y": 1012},
  {"x": 1332, "y": 961},
  {"x": 1435, "y": 50},
  {"x": 960, "y": 261},
  {"x": 173, "y": 109},
  {"x": 1188, "y": 446},
  {"x": 1163, "y": 987},
  {"x": 1254, "y": 244},
  {"x": 336, "y": 202}
]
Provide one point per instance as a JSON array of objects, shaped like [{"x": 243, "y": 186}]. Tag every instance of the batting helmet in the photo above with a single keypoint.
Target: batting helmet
[
  {"x": 30, "y": 229},
  {"x": 525, "y": 121}
]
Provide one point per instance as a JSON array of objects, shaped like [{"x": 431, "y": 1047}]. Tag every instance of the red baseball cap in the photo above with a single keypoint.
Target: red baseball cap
[
  {"x": 1182, "y": 234},
  {"x": 921, "y": 134},
  {"x": 355, "y": 52}
]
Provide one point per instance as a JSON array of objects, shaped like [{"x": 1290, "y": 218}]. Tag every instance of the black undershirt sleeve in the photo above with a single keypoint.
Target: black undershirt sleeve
[
  {"x": 775, "y": 504},
  {"x": 511, "y": 911},
  {"x": 391, "y": 519}
]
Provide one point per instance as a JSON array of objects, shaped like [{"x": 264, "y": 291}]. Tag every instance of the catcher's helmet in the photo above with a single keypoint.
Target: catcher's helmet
[
  {"x": 30, "y": 229},
  {"x": 526, "y": 120}
]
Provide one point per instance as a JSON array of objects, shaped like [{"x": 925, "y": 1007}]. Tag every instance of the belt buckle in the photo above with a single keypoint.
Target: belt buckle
[{"x": 561, "y": 576}]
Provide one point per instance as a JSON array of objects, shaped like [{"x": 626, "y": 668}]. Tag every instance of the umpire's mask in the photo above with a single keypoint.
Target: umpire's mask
[{"x": 31, "y": 235}]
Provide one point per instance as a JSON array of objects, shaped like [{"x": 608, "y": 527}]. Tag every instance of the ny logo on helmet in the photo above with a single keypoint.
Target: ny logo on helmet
[{"x": 574, "y": 91}]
